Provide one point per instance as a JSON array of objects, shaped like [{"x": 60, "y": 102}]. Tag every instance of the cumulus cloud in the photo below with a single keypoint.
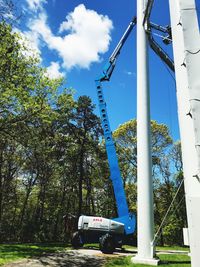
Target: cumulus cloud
[
  {"x": 53, "y": 71},
  {"x": 31, "y": 41},
  {"x": 82, "y": 38},
  {"x": 35, "y": 5}
]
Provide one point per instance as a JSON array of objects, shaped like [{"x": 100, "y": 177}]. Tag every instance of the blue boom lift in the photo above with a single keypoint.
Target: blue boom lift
[{"x": 110, "y": 233}]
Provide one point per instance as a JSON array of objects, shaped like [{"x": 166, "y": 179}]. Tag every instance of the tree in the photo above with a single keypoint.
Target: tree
[
  {"x": 167, "y": 176},
  {"x": 50, "y": 152},
  {"x": 24, "y": 87},
  {"x": 165, "y": 191},
  {"x": 26, "y": 95},
  {"x": 126, "y": 141},
  {"x": 8, "y": 11},
  {"x": 86, "y": 129}
]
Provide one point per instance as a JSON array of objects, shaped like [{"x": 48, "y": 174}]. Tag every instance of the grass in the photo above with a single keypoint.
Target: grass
[
  {"x": 166, "y": 261},
  {"x": 13, "y": 252},
  {"x": 92, "y": 246},
  {"x": 173, "y": 248},
  {"x": 161, "y": 248}
]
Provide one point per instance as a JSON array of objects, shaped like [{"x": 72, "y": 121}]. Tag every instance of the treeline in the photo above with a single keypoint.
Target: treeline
[
  {"x": 167, "y": 174},
  {"x": 53, "y": 164},
  {"x": 51, "y": 161}
]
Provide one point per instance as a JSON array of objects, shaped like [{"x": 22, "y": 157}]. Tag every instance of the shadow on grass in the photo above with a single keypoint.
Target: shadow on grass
[
  {"x": 29, "y": 250},
  {"x": 47, "y": 254},
  {"x": 118, "y": 250}
]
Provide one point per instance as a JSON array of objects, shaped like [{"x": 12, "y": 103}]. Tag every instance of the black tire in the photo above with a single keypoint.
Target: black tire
[
  {"x": 106, "y": 244},
  {"x": 119, "y": 244},
  {"x": 76, "y": 240}
]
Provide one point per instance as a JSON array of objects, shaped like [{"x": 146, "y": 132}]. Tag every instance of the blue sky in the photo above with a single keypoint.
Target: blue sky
[{"x": 77, "y": 47}]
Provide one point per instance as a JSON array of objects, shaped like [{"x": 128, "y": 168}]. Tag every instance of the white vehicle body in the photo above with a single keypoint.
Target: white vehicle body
[{"x": 91, "y": 223}]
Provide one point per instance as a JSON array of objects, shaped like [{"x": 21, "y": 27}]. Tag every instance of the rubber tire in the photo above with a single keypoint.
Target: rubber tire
[
  {"x": 76, "y": 240},
  {"x": 106, "y": 244}
]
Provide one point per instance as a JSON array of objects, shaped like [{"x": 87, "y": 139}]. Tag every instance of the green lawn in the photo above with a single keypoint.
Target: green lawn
[
  {"x": 173, "y": 248},
  {"x": 166, "y": 261},
  {"x": 161, "y": 248},
  {"x": 13, "y": 252}
]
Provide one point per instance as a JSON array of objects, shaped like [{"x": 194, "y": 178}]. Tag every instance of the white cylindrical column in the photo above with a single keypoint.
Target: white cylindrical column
[
  {"x": 186, "y": 44},
  {"x": 144, "y": 166},
  {"x": 145, "y": 221}
]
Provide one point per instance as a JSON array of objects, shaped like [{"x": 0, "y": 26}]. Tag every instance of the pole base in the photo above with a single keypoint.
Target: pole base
[{"x": 140, "y": 260}]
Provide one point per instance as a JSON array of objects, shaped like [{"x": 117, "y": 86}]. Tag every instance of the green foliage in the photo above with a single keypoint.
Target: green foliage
[
  {"x": 170, "y": 248},
  {"x": 167, "y": 176},
  {"x": 25, "y": 90},
  {"x": 50, "y": 154},
  {"x": 119, "y": 261},
  {"x": 126, "y": 140}
]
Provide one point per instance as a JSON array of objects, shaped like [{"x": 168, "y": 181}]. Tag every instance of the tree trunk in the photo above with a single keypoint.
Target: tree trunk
[
  {"x": 1, "y": 187},
  {"x": 80, "y": 184}
]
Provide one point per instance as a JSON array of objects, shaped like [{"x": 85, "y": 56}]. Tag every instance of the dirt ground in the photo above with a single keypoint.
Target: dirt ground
[
  {"x": 70, "y": 258},
  {"x": 77, "y": 258}
]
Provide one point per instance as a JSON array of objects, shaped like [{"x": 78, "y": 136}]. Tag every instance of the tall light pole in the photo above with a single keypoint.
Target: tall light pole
[
  {"x": 186, "y": 48},
  {"x": 145, "y": 220}
]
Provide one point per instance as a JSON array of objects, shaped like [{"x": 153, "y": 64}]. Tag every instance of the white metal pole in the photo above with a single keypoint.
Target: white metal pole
[
  {"x": 186, "y": 47},
  {"x": 145, "y": 221}
]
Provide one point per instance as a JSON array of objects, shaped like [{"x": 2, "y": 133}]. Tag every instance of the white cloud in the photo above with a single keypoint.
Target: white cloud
[
  {"x": 31, "y": 41},
  {"x": 83, "y": 36},
  {"x": 53, "y": 71},
  {"x": 130, "y": 73},
  {"x": 34, "y": 5}
]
